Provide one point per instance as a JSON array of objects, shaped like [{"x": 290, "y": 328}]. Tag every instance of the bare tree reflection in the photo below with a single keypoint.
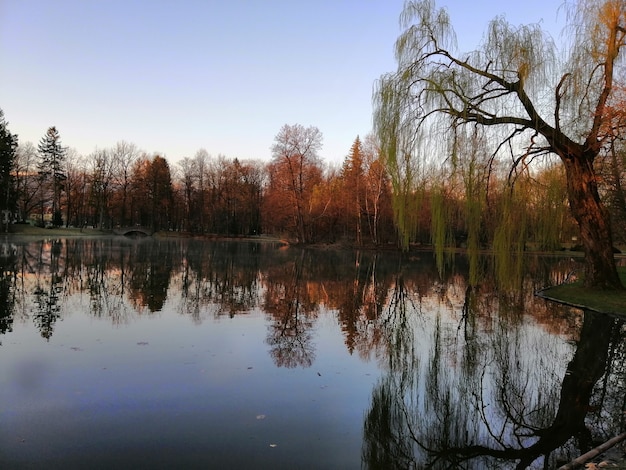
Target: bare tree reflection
[
  {"x": 219, "y": 278},
  {"x": 503, "y": 407},
  {"x": 292, "y": 315},
  {"x": 7, "y": 287},
  {"x": 105, "y": 283}
]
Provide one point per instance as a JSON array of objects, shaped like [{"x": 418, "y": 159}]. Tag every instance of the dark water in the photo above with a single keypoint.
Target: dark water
[{"x": 186, "y": 354}]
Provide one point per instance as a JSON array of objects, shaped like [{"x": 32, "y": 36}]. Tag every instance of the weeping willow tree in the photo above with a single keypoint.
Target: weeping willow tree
[
  {"x": 440, "y": 230},
  {"x": 510, "y": 236},
  {"x": 548, "y": 203},
  {"x": 404, "y": 170},
  {"x": 532, "y": 98},
  {"x": 474, "y": 166},
  {"x": 466, "y": 177}
]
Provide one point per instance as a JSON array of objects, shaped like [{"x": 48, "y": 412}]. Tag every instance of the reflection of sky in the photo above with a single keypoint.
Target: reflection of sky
[
  {"x": 164, "y": 384},
  {"x": 205, "y": 387}
]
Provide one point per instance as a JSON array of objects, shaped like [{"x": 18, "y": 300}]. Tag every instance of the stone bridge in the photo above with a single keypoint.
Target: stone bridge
[{"x": 136, "y": 230}]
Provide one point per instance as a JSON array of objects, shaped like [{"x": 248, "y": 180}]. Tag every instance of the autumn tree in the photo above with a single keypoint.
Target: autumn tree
[
  {"x": 124, "y": 154},
  {"x": 187, "y": 190},
  {"x": 377, "y": 195},
  {"x": 247, "y": 183},
  {"x": 328, "y": 208},
  {"x": 152, "y": 192},
  {"x": 27, "y": 181},
  {"x": 51, "y": 169},
  {"x": 103, "y": 168},
  {"x": 294, "y": 171},
  {"x": 77, "y": 191},
  {"x": 504, "y": 87},
  {"x": 8, "y": 149},
  {"x": 353, "y": 174},
  {"x": 200, "y": 168}
]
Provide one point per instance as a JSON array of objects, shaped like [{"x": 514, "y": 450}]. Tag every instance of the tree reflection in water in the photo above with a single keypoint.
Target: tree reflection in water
[
  {"x": 7, "y": 287},
  {"x": 292, "y": 313},
  {"x": 489, "y": 401},
  {"x": 48, "y": 291},
  {"x": 473, "y": 376}
]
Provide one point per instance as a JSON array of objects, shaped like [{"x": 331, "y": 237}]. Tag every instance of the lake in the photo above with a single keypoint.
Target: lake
[{"x": 147, "y": 353}]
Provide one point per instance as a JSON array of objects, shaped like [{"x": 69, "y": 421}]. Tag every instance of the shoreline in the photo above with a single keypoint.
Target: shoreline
[{"x": 26, "y": 230}]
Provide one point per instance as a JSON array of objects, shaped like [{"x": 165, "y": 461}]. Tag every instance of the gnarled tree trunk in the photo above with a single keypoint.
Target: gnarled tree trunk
[{"x": 593, "y": 221}]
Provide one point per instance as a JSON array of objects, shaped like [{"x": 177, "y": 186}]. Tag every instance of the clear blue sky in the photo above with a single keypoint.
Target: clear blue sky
[{"x": 179, "y": 75}]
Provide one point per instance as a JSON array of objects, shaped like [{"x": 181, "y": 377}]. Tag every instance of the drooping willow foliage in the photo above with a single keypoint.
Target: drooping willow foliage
[
  {"x": 550, "y": 211},
  {"x": 532, "y": 100},
  {"x": 441, "y": 234},
  {"x": 509, "y": 238},
  {"x": 405, "y": 171}
]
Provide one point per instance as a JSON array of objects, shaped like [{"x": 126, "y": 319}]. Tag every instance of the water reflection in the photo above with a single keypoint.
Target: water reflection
[
  {"x": 7, "y": 288},
  {"x": 496, "y": 401},
  {"x": 472, "y": 376}
]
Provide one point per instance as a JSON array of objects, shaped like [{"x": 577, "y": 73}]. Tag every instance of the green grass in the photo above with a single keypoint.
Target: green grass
[
  {"x": 29, "y": 230},
  {"x": 577, "y": 295}
]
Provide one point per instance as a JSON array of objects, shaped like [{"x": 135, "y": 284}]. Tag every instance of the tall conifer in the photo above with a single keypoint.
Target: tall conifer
[
  {"x": 8, "y": 151},
  {"x": 51, "y": 168}
]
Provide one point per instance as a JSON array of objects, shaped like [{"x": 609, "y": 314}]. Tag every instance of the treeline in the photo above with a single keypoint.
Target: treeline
[{"x": 468, "y": 200}]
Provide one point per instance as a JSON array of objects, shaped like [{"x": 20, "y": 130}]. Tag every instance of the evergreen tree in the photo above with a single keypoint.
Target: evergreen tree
[
  {"x": 8, "y": 151},
  {"x": 353, "y": 175},
  {"x": 51, "y": 168}
]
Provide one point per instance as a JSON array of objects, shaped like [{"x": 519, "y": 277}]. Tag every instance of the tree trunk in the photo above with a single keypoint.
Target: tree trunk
[{"x": 593, "y": 221}]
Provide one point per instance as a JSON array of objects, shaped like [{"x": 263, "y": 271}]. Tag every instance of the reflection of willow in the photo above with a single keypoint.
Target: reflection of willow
[
  {"x": 503, "y": 408},
  {"x": 292, "y": 315}
]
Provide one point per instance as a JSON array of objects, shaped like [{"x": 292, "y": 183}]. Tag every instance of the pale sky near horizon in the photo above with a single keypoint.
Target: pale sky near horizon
[{"x": 225, "y": 75}]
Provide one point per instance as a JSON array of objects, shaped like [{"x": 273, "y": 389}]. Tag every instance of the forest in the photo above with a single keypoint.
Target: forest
[{"x": 298, "y": 197}]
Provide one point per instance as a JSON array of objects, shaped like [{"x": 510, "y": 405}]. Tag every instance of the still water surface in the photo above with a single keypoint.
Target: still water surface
[{"x": 121, "y": 353}]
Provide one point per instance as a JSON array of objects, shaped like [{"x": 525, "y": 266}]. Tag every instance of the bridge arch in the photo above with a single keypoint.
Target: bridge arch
[{"x": 130, "y": 231}]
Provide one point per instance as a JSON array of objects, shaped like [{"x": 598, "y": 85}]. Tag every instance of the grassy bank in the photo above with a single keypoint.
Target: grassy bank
[
  {"x": 29, "y": 230},
  {"x": 576, "y": 295}
]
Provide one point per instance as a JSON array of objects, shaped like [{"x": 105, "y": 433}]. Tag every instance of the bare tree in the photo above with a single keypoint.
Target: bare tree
[
  {"x": 200, "y": 168},
  {"x": 295, "y": 170},
  {"x": 75, "y": 188},
  {"x": 26, "y": 180},
  {"x": 103, "y": 169},
  {"x": 125, "y": 155}
]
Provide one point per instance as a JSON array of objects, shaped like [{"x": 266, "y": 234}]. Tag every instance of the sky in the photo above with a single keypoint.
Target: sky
[{"x": 175, "y": 76}]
